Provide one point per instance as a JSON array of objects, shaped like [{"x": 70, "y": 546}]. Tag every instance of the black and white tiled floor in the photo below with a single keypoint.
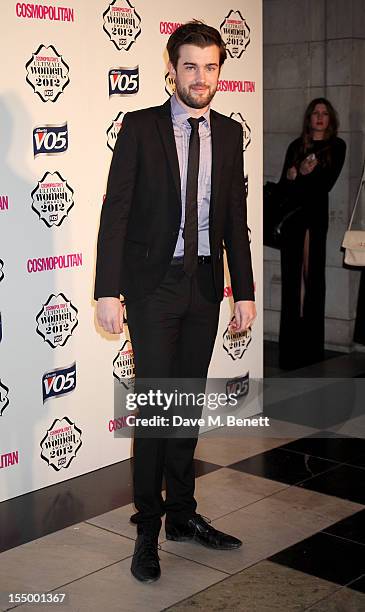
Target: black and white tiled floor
[{"x": 297, "y": 502}]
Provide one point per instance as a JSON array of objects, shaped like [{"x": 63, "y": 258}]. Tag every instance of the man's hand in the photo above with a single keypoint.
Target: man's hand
[
  {"x": 244, "y": 314},
  {"x": 109, "y": 313}
]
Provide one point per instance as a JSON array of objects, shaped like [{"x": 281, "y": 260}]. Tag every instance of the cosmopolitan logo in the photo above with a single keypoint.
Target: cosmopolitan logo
[
  {"x": 168, "y": 27},
  {"x": 47, "y": 73},
  {"x": 123, "y": 81},
  {"x": 4, "y": 202},
  {"x": 113, "y": 129},
  {"x": 119, "y": 423},
  {"x": 245, "y": 127},
  {"x": 52, "y": 199},
  {"x": 123, "y": 365},
  {"x": 58, "y": 382},
  {"x": 44, "y": 11},
  {"x": 122, "y": 24},
  {"x": 237, "y": 86},
  {"x": 50, "y": 139},
  {"x": 57, "y": 320},
  {"x": 9, "y": 459},
  {"x": 4, "y": 397},
  {"x": 61, "y": 443},
  {"x": 236, "y": 343},
  {"x": 57, "y": 262},
  {"x": 1, "y": 270},
  {"x": 235, "y": 33}
]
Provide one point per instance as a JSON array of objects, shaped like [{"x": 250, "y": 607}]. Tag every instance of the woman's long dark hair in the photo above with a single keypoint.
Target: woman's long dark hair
[
  {"x": 330, "y": 133},
  {"x": 333, "y": 120}
]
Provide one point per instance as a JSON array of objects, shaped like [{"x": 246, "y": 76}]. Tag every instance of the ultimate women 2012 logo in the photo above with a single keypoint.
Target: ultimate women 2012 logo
[
  {"x": 52, "y": 199},
  {"x": 47, "y": 73},
  {"x": 123, "y": 365},
  {"x": 57, "y": 320},
  {"x": 170, "y": 86},
  {"x": 122, "y": 24},
  {"x": 235, "y": 33},
  {"x": 61, "y": 443},
  {"x": 4, "y": 397},
  {"x": 245, "y": 127},
  {"x": 113, "y": 130},
  {"x": 236, "y": 343}
]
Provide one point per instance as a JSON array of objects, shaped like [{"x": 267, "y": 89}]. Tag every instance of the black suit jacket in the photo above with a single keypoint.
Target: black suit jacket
[{"x": 141, "y": 214}]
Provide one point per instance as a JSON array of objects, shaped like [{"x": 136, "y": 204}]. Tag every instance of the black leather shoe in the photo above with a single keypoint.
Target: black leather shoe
[
  {"x": 199, "y": 530},
  {"x": 145, "y": 563}
]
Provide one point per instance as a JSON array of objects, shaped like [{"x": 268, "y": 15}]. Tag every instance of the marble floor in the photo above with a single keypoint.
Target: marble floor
[{"x": 296, "y": 499}]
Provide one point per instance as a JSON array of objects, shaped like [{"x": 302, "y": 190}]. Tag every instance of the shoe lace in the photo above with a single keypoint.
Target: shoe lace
[
  {"x": 205, "y": 518},
  {"x": 149, "y": 550},
  {"x": 202, "y": 519}
]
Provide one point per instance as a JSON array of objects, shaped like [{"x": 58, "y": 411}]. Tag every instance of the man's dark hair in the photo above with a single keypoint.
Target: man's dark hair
[{"x": 195, "y": 33}]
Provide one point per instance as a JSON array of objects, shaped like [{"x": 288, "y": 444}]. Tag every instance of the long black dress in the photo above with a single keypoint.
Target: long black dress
[{"x": 303, "y": 256}]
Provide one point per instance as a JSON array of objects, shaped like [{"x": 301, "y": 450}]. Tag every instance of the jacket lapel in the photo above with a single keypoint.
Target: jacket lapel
[
  {"x": 167, "y": 134},
  {"x": 217, "y": 157}
]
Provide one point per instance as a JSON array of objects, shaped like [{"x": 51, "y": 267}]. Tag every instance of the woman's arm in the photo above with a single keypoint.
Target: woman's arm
[
  {"x": 289, "y": 162},
  {"x": 323, "y": 178}
]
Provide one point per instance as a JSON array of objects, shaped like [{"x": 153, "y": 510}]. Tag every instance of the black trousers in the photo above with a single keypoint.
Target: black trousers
[{"x": 173, "y": 333}]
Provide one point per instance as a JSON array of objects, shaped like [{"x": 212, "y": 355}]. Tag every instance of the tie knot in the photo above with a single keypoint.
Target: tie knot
[{"x": 194, "y": 122}]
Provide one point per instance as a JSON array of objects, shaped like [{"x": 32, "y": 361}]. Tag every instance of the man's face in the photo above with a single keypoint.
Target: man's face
[{"x": 196, "y": 75}]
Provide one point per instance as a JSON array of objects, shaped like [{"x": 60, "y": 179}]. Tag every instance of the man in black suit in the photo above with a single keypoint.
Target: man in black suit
[{"x": 175, "y": 194}]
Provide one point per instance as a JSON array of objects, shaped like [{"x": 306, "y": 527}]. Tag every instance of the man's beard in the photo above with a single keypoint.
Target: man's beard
[{"x": 197, "y": 100}]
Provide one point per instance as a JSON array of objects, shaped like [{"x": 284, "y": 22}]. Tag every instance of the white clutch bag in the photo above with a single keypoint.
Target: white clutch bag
[
  {"x": 354, "y": 245},
  {"x": 354, "y": 240}
]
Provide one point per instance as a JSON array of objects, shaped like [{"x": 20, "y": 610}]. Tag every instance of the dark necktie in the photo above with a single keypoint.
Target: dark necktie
[{"x": 191, "y": 202}]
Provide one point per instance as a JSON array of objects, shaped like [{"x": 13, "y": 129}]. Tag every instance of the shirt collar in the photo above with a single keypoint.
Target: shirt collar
[{"x": 181, "y": 115}]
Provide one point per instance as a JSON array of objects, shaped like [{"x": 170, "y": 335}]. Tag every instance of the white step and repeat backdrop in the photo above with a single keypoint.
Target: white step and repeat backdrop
[{"x": 71, "y": 69}]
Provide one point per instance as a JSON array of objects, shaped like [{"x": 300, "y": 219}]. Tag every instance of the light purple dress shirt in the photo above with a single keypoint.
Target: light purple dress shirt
[{"x": 182, "y": 132}]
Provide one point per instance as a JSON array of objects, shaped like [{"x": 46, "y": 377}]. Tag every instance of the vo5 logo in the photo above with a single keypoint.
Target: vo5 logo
[
  {"x": 59, "y": 382},
  {"x": 50, "y": 139},
  {"x": 238, "y": 386},
  {"x": 123, "y": 81}
]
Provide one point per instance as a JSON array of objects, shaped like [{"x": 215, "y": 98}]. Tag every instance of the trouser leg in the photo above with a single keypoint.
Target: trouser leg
[
  {"x": 154, "y": 326},
  {"x": 197, "y": 336}
]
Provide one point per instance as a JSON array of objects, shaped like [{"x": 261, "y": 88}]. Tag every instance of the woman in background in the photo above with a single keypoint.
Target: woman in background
[{"x": 312, "y": 165}]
